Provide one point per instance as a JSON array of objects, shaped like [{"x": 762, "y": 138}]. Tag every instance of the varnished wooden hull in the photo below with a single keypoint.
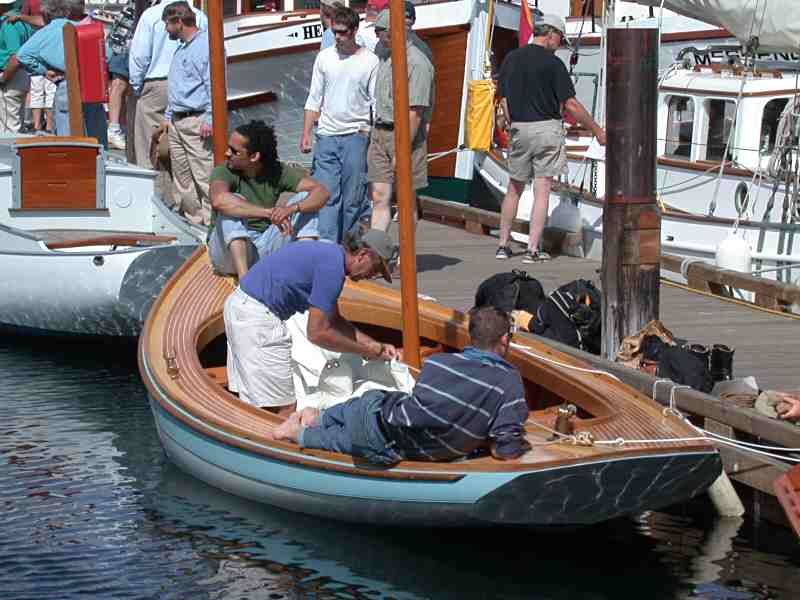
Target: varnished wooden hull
[{"x": 212, "y": 435}]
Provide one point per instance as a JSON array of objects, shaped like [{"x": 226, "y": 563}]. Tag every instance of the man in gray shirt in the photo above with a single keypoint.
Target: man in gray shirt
[{"x": 381, "y": 154}]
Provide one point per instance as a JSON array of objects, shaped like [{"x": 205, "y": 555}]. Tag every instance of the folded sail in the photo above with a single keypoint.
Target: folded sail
[{"x": 776, "y": 23}]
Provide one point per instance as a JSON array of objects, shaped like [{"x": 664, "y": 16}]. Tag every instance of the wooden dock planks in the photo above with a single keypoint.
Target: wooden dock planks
[{"x": 452, "y": 263}]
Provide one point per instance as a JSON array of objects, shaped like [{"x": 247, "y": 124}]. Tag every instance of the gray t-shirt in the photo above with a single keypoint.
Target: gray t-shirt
[{"x": 420, "y": 89}]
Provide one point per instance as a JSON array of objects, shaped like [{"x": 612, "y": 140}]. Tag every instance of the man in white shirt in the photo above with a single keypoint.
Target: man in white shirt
[
  {"x": 340, "y": 98},
  {"x": 151, "y": 54},
  {"x": 366, "y": 36}
]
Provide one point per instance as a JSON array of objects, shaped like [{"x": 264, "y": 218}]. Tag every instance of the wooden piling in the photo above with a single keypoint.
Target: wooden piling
[{"x": 631, "y": 218}]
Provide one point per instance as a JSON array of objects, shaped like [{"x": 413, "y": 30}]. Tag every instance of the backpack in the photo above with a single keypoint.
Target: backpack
[
  {"x": 511, "y": 291},
  {"x": 573, "y": 315}
]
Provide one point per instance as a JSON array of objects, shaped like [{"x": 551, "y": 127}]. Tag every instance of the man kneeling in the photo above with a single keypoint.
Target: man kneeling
[{"x": 460, "y": 403}]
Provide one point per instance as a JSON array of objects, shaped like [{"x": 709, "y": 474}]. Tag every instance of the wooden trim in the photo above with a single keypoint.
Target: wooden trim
[
  {"x": 707, "y": 92},
  {"x": 53, "y": 140},
  {"x": 680, "y": 36},
  {"x": 114, "y": 240},
  {"x": 703, "y": 166},
  {"x": 251, "y": 100}
]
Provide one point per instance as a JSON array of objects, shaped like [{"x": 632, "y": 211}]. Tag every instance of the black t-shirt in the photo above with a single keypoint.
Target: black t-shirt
[{"x": 535, "y": 84}]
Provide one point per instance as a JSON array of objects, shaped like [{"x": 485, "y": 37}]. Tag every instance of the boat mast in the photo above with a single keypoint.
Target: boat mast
[
  {"x": 219, "y": 95},
  {"x": 402, "y": 141}
]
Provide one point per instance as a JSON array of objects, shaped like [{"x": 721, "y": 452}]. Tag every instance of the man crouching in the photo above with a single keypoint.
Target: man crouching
[{"x": 460, "y": 403}]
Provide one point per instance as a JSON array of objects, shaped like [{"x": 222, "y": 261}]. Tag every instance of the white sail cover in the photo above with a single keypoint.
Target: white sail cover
[{"x": 776, "y": 23}]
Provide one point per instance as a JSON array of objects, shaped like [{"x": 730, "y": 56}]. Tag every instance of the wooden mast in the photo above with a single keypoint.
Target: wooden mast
[
  {"x": 71, "y": 65},
  {"x": 219, "y": 95},
  {"x": 402, "y": 153}
]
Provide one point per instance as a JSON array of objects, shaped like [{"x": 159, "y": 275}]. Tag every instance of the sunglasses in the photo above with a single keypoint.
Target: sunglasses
[{"x": 341, "y": 31}]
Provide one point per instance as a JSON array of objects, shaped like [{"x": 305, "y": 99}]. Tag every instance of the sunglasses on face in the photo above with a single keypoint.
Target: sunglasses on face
[
  {"x": 237, "y": 152},
  {"x": 341, "y": 31}
]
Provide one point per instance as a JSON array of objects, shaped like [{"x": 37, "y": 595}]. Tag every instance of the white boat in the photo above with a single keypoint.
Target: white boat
[
  {"x": 85, "y": 242},
  {"x": 704, "y": 112}
]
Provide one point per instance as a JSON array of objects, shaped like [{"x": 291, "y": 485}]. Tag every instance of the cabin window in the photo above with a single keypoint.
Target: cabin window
[
  {"x": 265, "y": 5},
  {"x": 230, "y": 7},
  {"x": 680, "y": 125},
  {"x": 721, "y": 115},
  {"x": 769, "y": 124}
]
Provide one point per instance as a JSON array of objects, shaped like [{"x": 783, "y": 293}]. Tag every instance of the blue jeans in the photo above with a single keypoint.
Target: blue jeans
[
  {"x": 94, "y": 117},
  {"x": 353, "y": 428},
  {"x": 226, "y": 229},
  {"x": 340, "y": 164}
]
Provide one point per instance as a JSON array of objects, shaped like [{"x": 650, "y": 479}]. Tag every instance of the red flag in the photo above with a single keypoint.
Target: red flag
[{"x": 525, "y": 23}]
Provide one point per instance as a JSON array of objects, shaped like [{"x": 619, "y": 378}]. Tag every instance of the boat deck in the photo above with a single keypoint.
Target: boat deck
[{"x": 452, "y": 263}]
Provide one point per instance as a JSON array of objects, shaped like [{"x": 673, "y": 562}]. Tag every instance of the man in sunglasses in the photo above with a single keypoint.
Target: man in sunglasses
[
  {"x": 250, "y": 220},
  {"x": 461, "y": 403},
  {"x": 339, "y": 100}
]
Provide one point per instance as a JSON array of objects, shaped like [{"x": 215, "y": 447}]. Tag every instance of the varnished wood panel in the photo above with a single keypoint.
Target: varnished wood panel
[
  {"x": 58, "y": 177},
  {"x": 449, "y": 48}
]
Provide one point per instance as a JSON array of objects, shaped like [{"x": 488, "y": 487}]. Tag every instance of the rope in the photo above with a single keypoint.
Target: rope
[
  {"x": 530, "y": 352},
  {"x": 686, "y": 263},
  {"x": 434, "y": 155}
]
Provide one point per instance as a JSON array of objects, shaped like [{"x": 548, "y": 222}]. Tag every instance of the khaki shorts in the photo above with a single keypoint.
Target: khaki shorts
[
  {"x": 259, "y": 353},
  {"x": 537, "y": 150},
  {"x": 381, "y": 153}
]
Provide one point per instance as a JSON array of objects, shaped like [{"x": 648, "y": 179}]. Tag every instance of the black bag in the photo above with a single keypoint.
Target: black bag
[
  {"x": 572, "y": 314},
  {"x": 685, "y": 368},
  {"x": 511, "y": 291}
]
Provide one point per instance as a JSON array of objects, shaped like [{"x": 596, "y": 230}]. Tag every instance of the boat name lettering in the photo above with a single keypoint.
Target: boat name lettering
[
  {"x": 707, "y": 58},
  {"x": 312, "y": 31}
]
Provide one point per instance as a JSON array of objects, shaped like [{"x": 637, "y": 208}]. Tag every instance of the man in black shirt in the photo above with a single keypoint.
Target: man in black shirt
[{"x": 535, "y": 87}]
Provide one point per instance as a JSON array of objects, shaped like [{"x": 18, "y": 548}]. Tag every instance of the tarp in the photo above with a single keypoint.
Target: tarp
[
  {"x": 480, "y": 114},
  {"x": 323, "y": 378},
  {"x": 776, "y": 23}
]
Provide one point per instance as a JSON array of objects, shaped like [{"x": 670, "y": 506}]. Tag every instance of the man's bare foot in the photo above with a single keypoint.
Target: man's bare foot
[
  {"x": 289, "y": 429},
  {"x": 309, "y": 416}
]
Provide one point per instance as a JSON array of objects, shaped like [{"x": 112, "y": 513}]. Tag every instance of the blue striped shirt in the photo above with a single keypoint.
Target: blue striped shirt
[
  {"x": 460, "y": 402},
  {"x": 189, "y": 80}
]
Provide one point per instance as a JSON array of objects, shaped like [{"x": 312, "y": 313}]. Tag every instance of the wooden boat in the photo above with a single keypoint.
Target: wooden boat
[
  {"x": 85, "y": 243},
  {"x": 212, "y": 435}
]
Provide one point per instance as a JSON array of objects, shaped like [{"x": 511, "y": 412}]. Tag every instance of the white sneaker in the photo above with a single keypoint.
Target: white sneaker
[{"x": 116, "y": 139}]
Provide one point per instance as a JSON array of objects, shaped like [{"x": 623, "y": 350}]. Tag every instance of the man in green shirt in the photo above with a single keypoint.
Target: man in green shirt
[
  {"x": 14, "y": 82},
  {"x": 250, "y": 221}
]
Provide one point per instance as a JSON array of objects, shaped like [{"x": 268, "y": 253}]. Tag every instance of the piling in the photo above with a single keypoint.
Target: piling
[{"x": 631, "y": 218}]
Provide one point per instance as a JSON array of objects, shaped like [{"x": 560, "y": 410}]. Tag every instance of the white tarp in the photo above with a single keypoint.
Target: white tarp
[
  {"x": 323, "y": 378},
  {"x": 776, "y": 23}
]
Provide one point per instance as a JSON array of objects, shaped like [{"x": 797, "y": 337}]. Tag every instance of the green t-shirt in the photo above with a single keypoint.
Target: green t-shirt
[{"x": 259, "y": 191}]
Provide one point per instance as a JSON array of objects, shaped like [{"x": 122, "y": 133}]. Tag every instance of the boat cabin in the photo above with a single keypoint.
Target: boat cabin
[{"x": 699, "y": 106}]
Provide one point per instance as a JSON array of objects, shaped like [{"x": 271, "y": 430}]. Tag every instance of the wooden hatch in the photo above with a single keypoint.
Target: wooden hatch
[{"x": 58, "y": 173}]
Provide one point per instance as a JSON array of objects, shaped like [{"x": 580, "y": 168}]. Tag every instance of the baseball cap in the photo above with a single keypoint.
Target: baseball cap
[
  {"x": 411, "y": 12},
  {"x": 378, "y": 4},
  {"x": 383, "y": 246},
  {"x": 382, "y": 22}
]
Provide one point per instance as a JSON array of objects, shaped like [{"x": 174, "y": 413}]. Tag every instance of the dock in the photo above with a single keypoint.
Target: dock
[{"x": 452, "y": 262}]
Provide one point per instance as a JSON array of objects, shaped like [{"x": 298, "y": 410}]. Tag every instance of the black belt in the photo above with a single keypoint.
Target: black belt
[
  {"x": 386, "y": 126},
  {"x": 155, "y": 79},
  {"x": 177, "y": 116}
]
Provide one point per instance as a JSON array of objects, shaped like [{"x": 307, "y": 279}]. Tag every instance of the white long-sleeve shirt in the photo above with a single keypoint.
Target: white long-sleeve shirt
[
  {"x": 151, "y": 49},
  {"x": 342, "y": 91}
]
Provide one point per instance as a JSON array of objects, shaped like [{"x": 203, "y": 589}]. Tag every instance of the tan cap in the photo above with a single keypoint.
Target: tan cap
[{"x": 380, "y": 242}]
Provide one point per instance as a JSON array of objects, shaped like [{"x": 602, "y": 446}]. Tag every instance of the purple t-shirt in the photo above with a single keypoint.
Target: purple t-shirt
[{"x": 299, "y": 275}]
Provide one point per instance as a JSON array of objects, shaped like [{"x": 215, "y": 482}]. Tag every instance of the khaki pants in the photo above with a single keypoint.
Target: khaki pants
[
  {"x": 192, "y": 160},
  {"x": 12, "y": 101},
  {"x": 150, "y": 108}
]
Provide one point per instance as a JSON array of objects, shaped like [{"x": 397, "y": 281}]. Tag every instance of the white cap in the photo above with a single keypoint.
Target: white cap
[{"x": 553, "y": 21}]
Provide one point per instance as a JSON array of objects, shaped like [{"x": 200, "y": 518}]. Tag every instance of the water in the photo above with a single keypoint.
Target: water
[{"x": 91, "y": 508}]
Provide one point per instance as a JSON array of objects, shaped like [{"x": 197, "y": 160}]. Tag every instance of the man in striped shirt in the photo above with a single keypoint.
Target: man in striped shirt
[{"x": 461, "y": 403}]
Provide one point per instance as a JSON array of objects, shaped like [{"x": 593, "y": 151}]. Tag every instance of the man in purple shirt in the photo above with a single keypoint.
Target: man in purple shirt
[{"x": 303, "y": 275}]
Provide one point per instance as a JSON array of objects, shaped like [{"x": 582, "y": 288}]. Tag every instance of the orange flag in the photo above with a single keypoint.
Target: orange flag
[{"x": 525, "y": 23}]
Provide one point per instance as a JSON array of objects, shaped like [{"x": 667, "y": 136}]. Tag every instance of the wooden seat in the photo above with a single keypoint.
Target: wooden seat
[{"x": 57, "y": 173}]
